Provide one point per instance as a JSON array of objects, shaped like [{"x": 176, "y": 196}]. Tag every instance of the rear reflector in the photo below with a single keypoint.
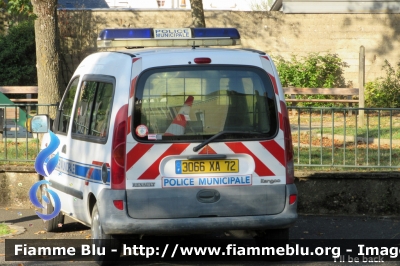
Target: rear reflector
[
  {"x": 119, "y": 204},
  {"x": 292, "y": 199},
  {"x": 202, "y": 60}
]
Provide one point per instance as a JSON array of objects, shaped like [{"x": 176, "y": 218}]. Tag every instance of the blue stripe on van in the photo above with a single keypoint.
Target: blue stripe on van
[{"x": 80, "y": 170}]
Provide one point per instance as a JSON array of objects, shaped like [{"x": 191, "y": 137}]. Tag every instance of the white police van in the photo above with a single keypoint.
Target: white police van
[{"x": 179, "y": 139}]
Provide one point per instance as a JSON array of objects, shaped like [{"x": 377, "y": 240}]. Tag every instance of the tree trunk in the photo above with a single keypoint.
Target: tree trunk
[
  {"x": 47, "y": 54},
  {"x": 197, "y": 13}
]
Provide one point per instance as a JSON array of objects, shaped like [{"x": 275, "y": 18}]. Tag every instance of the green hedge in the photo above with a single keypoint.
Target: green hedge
[
  {"x": 384, "y": 92},
  {"x": 312, "y": 71},
  {"x": 18, "y": 55}
]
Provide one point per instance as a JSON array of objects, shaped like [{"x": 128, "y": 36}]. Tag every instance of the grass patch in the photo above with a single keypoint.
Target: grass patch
[
  {"x": 4, "y": 229},
  {"x": 376, "y": 132},
  {"x": 376, "y": 123},
  {"x": 347, "y": 158},
  {"x": 349, "y": 134},
  {"x": 334, "y": 139},
  {"x": 24, "y": 151},
  {"x": 325, "y": 152}
]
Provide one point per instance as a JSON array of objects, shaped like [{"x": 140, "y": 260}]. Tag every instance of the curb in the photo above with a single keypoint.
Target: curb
[
  {"x": 16, "y": 230},
  {"x": 17, "y": 168}
]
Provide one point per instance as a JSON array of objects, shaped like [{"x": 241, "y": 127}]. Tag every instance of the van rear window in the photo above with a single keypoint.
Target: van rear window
[{"x": 195, "y": 102}]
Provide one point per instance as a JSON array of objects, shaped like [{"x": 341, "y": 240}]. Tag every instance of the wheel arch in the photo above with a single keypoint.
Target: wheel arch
[{"x": 91, "y": 202}]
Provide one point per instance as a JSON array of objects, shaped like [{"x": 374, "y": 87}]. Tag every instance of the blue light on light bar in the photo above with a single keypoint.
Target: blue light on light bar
[
  {"x": 111, "y": 34},
  {"x": 216, "y": 33}
]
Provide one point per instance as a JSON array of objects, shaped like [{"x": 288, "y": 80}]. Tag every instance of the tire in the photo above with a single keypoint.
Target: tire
[
  {"x": 100, "y": 239},
  {"x": 53, "y": 224},
  {"x": 272, "y": 238}
]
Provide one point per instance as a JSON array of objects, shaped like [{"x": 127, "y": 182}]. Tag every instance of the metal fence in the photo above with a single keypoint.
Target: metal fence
[
  {"x": 340, "y": 138},
  {"x": 16, "y": 144},
  {"x": 322, "y": 137}
]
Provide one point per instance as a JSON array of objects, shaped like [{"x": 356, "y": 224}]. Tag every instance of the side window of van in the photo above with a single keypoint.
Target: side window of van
[
  {"x": 66, "y": 107},
  {"x": 84, "y": 107},
  {"x": 101, "y": 112},
  {"x": 93, "y": 107}
]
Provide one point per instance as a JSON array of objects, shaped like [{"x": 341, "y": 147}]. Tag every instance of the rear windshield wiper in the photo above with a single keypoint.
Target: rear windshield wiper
[{"x": 204, "y": 143}]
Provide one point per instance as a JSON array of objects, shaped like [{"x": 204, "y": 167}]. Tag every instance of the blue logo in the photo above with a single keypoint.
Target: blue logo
[{"x": 45, "y": 165}]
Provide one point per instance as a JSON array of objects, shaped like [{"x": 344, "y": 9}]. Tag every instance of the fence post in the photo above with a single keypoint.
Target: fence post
[
  {"x": 361, "y": 82},
  {"x": 28, "y": 108},
  {"x": 2, "y": 123},
  {"x": 294, "y": 111}
]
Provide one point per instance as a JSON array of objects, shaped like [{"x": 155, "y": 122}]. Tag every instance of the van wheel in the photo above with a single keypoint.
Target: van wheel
[
  {"x": 272, "y": 238},
  {"x": 53, "y": 224},
  {"x": 100, "y": 239}
]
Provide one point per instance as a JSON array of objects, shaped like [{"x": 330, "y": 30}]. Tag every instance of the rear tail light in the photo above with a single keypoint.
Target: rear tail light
[
  {"x": 118, "y": 149},
  {"x": 288, "y": 145}
]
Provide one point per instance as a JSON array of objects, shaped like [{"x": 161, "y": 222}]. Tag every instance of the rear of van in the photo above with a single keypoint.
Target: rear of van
[{"x": 203, "y": 144}]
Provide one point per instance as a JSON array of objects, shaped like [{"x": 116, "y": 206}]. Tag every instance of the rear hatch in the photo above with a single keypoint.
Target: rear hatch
[{"x": 205, "y": 142}]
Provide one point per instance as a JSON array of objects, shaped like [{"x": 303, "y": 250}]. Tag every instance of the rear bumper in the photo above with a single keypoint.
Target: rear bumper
[{"x": 116, "y": 221}]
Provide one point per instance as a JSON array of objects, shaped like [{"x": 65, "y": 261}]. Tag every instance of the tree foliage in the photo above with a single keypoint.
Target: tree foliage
[
  {"x": 47, "y": 45},
  {"x": 20, "y": 7},
  {"x": 385, "y": 91},
  {"x": 312, "y": 71},
  {"x": 18, "y": 56}
]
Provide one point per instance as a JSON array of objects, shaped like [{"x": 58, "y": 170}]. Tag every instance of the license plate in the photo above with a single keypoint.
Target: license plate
[{"x": 206, "y": 166}]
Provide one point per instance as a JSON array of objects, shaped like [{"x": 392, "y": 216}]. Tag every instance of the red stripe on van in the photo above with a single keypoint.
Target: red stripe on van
[
  {"x": 129, "y": 125},
  {"x": 133, "y": 87},
  {"x": 261, "y": 168},
  {"x": 89, "y": 173},
  {"x": 281, "y": 125},
  {"x": 276, "y": 150},
  {"x": 136, "y": 153},
  {"x": 153, "y": 171},
  {"x": 274, "y": 83}
]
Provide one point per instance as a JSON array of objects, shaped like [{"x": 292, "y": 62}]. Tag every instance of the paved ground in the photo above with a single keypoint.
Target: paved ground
[{"x": 307, "y": 227}]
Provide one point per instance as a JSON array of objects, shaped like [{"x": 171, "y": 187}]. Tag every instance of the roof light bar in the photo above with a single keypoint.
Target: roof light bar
[{"x": 149, "y": 37}]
